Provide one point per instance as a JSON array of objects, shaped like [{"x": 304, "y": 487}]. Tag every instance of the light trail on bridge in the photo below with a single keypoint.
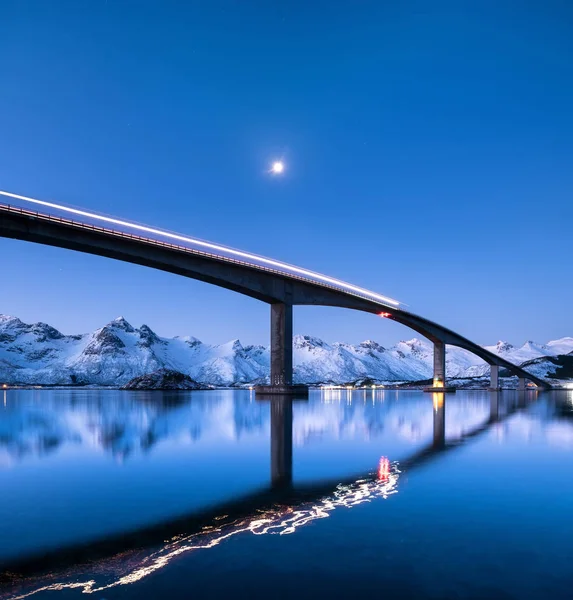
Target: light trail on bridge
[{"x": 210, "y": 246}]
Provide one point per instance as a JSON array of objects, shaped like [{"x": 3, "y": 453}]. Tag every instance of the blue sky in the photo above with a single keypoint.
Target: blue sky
[{"x": 429, "y": 150}]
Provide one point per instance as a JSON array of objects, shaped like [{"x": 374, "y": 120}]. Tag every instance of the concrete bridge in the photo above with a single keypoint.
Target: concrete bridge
[{"x": 280, "y": 285}]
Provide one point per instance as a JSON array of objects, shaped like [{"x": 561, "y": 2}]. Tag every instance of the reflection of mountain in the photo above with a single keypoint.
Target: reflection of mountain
[
  {"x": 119, "y": 423},
  {"x": 119, "y": 352},
  {"x": 36, "y": 423},
  {"x": 551, "y": 423}
]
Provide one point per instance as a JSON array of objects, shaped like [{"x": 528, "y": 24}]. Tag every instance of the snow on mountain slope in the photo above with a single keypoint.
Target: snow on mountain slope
[
  {"x": 531, "y": 350},
  {"x": 118, "y": 352},
  {"x": 561, "y": 346},
  {"x": 316, "y": 361}
]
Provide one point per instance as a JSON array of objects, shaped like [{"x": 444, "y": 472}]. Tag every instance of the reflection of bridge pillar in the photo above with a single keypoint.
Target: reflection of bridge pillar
[
  {"x": 281, "y": 441},
  {"x": 439, "y": 402},
  {"x": 494, "y": 406},
  {"x": 494, "y": 377},
  {"x": 281, "y": 353}
]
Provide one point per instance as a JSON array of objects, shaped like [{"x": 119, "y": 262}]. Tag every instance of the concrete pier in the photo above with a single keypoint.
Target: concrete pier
[
  {"x": 494, "y": 378},
  {"x": 281, "y": 344},
  {"x": 281, "y": 354},
  {"x": 522, "y": 384},
  {"x": 439, "y": 380},
  {"x": 281, "y": 441}
]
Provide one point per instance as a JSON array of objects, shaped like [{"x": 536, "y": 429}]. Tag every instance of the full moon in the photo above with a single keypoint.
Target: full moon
[{"x": 277, "y": 167}]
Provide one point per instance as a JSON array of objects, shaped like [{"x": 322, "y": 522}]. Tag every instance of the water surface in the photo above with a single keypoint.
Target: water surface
[{"x": 219, "y": 494}]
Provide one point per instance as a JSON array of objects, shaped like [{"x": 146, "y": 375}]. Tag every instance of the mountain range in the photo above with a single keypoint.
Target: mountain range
[{"x": 116, "y": 353}]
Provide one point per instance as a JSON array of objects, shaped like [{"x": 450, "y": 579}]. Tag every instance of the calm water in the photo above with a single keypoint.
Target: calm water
[{"x": 179, "y": 495}]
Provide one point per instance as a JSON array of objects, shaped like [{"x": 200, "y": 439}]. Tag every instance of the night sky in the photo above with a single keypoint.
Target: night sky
[{"x": 428, "y": 150}]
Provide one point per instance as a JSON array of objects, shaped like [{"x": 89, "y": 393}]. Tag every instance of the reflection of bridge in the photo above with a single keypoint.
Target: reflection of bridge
[
  {"x": 280, "y": 285},
  {"x": 278, "y": 506}
]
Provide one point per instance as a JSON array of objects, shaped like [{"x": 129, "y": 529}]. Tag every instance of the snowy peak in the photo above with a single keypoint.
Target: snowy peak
[
  {"x": 254, "y": 351},
  {"x": 118, "y": 352},
  {"x": 11, "y": 328},
  {"x": 560, "y": 346},
  {"x": 307, "y": 342},
  {"x": 148, "y": 337},
  {"x": 372, "y": 346},
  {"x": 121, "y": 324},
  {"x": 502, "y": 347},
  {"x": 230, "y": 347},
  {"x": 44, "y": 332},
  {"x": 415, "y": 348},
  {"x": 8, "y": 320},
  {"x": 104, "y": 341},
  {"x": 531, "y": 346}
]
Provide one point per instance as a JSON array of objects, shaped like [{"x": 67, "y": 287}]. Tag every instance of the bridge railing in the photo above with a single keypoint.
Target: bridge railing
[{"x": 159, "y": 237}]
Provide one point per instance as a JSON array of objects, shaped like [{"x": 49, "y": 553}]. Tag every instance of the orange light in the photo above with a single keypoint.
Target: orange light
[
  {"x": 383, "y": 469},
  {"x": 384, "y": 314},
  {"x": 438, "y": 400}
]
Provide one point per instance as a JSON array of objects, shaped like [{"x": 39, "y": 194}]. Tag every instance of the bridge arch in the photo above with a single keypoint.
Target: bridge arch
[{"x": 282, "y": 290}]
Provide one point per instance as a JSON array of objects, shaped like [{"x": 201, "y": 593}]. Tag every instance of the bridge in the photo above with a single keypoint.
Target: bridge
[{"x": 279, "y": 284}]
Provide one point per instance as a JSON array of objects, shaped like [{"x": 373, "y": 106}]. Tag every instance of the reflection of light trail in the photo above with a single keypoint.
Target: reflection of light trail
[
  {"x": 209, "y": 245},
  {"x": 384, "y": 469},
  {"x": 281, "y": 520}
]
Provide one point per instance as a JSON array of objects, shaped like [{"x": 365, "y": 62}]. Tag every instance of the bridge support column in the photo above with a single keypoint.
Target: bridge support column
[
  {"x": 281, "y": 354},
  {"x": 281, "y": 344},
  {"x": 494, "y": 378},
  {"x": 439, "y": 379},
  {"x": 439, "y": 365},
  {"x": 522, "y": 384}
]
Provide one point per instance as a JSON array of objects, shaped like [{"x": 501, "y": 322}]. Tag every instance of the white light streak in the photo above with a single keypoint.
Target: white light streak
[
  {"x": 181, "y": 238},
  {"x": 279, "y": 520}
]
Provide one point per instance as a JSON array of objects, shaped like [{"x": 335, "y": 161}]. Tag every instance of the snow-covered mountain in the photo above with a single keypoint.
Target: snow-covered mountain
[{"x": 118, "y": 352}]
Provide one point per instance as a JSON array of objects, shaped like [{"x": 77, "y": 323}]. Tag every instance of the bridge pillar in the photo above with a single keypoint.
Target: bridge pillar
[
  {"x": 439, "y": 379},
  {"x": 439, "y": 365},
  {"x": 522, "y": 384},
  {"x": 281, "y": 354},
  {"x": 281, "y": 344},
  {"x": 494, "y": 378}
]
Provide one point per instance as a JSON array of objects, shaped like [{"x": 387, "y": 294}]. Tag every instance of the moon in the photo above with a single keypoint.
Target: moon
[{"x": 278, "y": 167}]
